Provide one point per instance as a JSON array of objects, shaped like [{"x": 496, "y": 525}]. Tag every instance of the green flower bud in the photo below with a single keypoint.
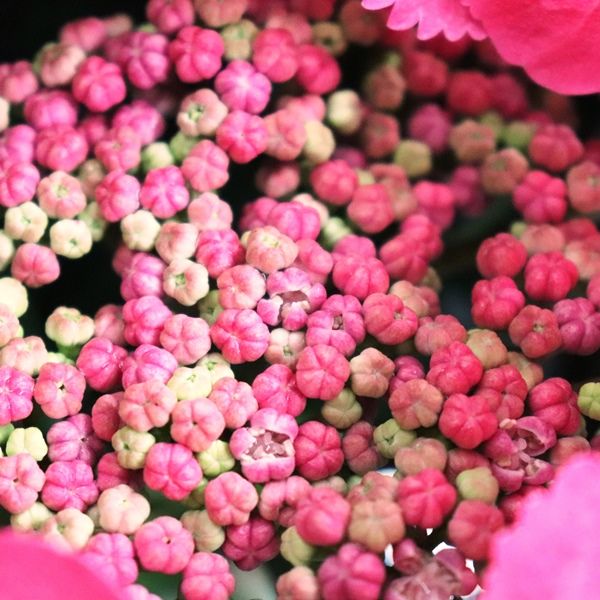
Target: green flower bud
[
  {"x": 494, "y": 121},
  {"x": 478, "y": 484},
  {"x": 333, "y": 231},
  {"x": 208, "y": 537},
  {"x": 30, "y": 440},
  {"x": 209, "y": 307},
  {"x": 588, "y": 400},
  {"x": 31, "y": 519},
  {"x": 217, "y": 367},
  {"x": 188, "y": 383},
  {"x": 132, "y": 447},
  {"x": 518, "y": 134},
  {"x": 294, "y": 549},
  {"x": 180, "y": 146},
  {"x": 414, "y": 157},
  {"x": 343, "y": 410},
  {"x": 389, "y": 437},
  {"x": 156, "y": 156},
  {"x": 5, "y": 431},
  {"x": 216, "y": 459}
]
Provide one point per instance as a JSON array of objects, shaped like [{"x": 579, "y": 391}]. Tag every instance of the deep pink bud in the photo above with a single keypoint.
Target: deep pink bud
[
  {"x": 35, "y": 265},
  {"x": 143, "y": 56},
  {"x": 206, "y": 576},
  {"x": 163, "y": 545},
  {"x": 196, "y": 423},
  {"x": 117, "y": 195},
  {"x": 163, "y": 192},
  {"x": 371, "y": 208},
  {"x": 60, "y": 148},
  {"x": 15, "y": 397},
  {"x": 169, "y": 16},
  {"x": 100, "y": 361},
  {"x": 415, "y": 404},
  {"x": 426, "y": 498},
  {"x": 69, "y": 485},
  {"x": 472, "y": 527},
  {"x": 467, "y": 420},
  {"x": 508, "y": 383},
  {"x": 206, "y": 167},
  {"x": 172, "y": 470},
  {"x": 555, "y": 147},
  {"x": 144, "y": 320},
  {"x": 536, "y": 331},
  {"x": 48, "y": 108},
  {"x": 196, "y": 53},
  {"x": 242, "y": 88},
  {"x": 74, "y": 439},
  {"x": 236, "y": 400},
  {"x": 278, "y": 499},
  {"x": 352, "y": 573},
  {"x": 334, "y": 181},
  {"x": 541, "y": 198},
  {"x": 243, "y": 136},
  {"x": 251, "y": 544},
  {"x": 454, "y": 369},
  {"x": 295, "y": 220},
  {"x": 318, "y": 71},
  {"x": 20, "y": 481},
  {"x": 404, "y": 258},
  {"x": 98, "y": 84},
  {"x": 229, "y": 499},
  {"x": 579, "y": 324},
  {"x": 469, "y": 92},
  {"x": 321, "y": 372},
  {"x": 502, "y": 254},
  {"x": 583, "y": 190},
  {"x": 496, "y": 302},
  {"x": 436, "y": 201},
  {"x": 111, "y": 556},
  {"x": 359, "y": 449},
  {"x": 318, "y": 451},
  {"x": 143, "y": 277},
  {"x": 240, "y": 335},
  {"x": 555, "y": 402},
  {"x": 147, "y": 404},
  {"x": 549, "y": 277},
  {"x": 219, "y": 250},
  {"x": 274, "y": 53},
  {"x": 276, "y": 388},
  {"x": 59, "y": 390},
  {"x": 322, "y": 517},
  {"x": 360, "y": 278},
  {"x": 439, "y": 332},
  {"x": 18, "y": 181}
]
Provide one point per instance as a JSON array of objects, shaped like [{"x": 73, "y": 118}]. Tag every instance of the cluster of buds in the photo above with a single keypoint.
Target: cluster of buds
[{"x": 260, "y": 377}]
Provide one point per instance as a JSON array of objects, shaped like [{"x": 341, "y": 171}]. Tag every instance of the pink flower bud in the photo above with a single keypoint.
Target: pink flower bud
[
  {"x": 229, "y": 499},
  {"x": 472, "y": 527},
  {"x": 359, "y": 449},
  {"x": 209, "y": 212},
  {"x": 275, "y": 54},
  {"x": 318, "y": 451},
  {"x": 371, "y": 208},
  {"x": 69, "y": 485},
  {"x": 176, "y": 240},
  {"x": 371, "y": 372},
  {"x": 435, "y": 334},
  {"x": 431, "y": 125},
  {"x": 117, "y": 195},
  {"x": 15, "y": 398},
  {"x": 59, "y": 390},
  {"x": 295, "y": 220},
  {"x": 276, "y": 388},
  {"x": 241, "y": 287},
  {"x": 506, "y": 390},
  {"x": 74, "y": 439},
  {"x": 186, "y": 338},
  {"x": 549, "y": 277},
  {"x": 18, "y": 81},
  {"x": 426, "y": 498},
  {"x": 143, "y": 277},
  {"x": 24, "y": 354},
  {"x": 242, "y": 88},
  {"x": 579, "y": 325},
  {"x": 60, "y": 148},
  {"x": 496, "y": 302},
  {"x": 423, "y": 453},
  {"x": 94, "y": 128},
  {"x": 279, "y": 499},
  {"x": 240, "y": 335},
  {"x": 147, "y": 405},
  {"x": 555, "y": 147},
  {"x": 318, "y": 71},
  {"x": 265, "y": 449},
  {"x": 536, "y": 331},
  {"x": 322, "y": 517},
  {"x": 49, "y": 108},
  {"x": 502, "y": 254},
  {"x": 111, "y": 557},
  {"x": 18, "y": 181},
  {"x": 416, "y": 404},
  {"x": 541, "y": 198},
  {"x": 119, "y": 149},
  {"x": 206, "y": 576},
  {"x": 196, "y": 423},
  {"x": 351, "y": 573},
  {"x": 404, "y": 259},
  {"x": 20, "y": 481},
  {"x": 143, "y": 56},
  {"x": 141, "y": 116},
  {"x": 360, "y": 278},
  {"x": 144, "y": 320},
  {"x": 111, "y": 474},
  {"x": 206, "y": 167},
  {"x": 163, "y": 545},
  {"x": 243, "y": 136},
  {"x": 454, "y": 369},
  {"x": 59, "y": 63},
  {"x": 98, "y": 84},
  {"x": 582, "y": 188},
  {"x": 169, "y": 16},
  {"x": 334, "y": 181},
  {"x": 88, "y": 33},
  {"x": 235, "y": 400},
  {"x": 164, "y": 193},
  {"x": 298, "y": 584},
  {"x": 105, "y": 415},
  {"x": 196, "y": 53},
  {"x": 251, "y": 544},
  {"x": 321, "y": 372},
  {"x": 467, "y": 420},
  {"x": 172, "y": 470},
  {"x": 100, "y": 361},
  {"x": 555, "y": 402}
]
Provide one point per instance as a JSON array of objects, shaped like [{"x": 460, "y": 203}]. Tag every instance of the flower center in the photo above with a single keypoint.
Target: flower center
[{"x": 269, "y": 444}]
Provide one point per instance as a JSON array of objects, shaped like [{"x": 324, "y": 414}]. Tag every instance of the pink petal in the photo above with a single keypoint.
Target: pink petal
[
  {"x": 30, "y": 568},
  {"x": 553, "y": 40},
  {"x": 551, "y": 551},
  {"x": 376, "y": 4}
]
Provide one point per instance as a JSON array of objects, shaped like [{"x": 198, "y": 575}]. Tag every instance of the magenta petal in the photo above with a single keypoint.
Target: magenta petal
[
  {"x": 30, "y": 568},
  {"x": 376, "y": 4},
  {"x": 551, "y": 39}
]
